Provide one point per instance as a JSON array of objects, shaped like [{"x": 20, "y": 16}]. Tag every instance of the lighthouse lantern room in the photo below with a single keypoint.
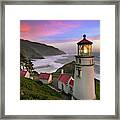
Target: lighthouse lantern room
[
  {"x": 84, "y": 86},
  {"x": 84, "y": 47}
]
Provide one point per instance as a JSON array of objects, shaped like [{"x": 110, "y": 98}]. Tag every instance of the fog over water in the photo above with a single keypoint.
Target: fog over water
[{"x": 52, "y": 63}]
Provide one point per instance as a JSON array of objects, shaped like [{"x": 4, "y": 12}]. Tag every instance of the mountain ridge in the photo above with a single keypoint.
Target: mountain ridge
[{"x": 35, "y": 50}]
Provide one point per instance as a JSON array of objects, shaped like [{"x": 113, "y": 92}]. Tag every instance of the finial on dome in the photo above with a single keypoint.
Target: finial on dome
[{"x": 84, "y": 36}]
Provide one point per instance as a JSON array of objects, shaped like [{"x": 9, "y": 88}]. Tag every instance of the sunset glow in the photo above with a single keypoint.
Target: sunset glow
[{"x": 59, "y": 31}]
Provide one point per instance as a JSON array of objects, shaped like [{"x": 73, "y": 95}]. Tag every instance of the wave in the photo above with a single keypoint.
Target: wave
[{"x": 52, "y": 63}]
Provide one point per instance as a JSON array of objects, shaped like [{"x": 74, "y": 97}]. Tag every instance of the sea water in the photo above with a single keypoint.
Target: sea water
[{"x": 52, "y": 63}]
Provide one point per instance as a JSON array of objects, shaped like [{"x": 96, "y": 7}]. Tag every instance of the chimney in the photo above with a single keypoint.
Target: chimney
[{"x": 62, "y": 71}]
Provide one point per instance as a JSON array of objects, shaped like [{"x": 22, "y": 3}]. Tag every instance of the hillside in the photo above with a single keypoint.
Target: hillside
[
  {"x": 34, "y": 50},
  {"x": 69, "y": 68},
  {"x": 35, "y": 90}
]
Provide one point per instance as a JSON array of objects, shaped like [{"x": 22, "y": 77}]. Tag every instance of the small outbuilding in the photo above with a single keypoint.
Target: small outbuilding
[
  {"x": 24, "y": 73},
  {"x": 71, "y": 83},
  {"x": 46, "y": 78},
  {"x": 65, "y": 83}
]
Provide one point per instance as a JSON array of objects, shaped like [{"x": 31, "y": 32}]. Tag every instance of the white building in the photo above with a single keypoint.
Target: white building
[
  {"x": 71, "y": 83},
  {"x": 46, "y": 78},
  {"x": 24, "y": 73},
  {"x": 65, "y": 83},
  {"x": 84, "y": 86}
]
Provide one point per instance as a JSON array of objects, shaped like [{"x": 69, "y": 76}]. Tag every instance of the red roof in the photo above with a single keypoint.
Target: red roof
[
  {"x": 64, "y": 78},
  {"x": 71, "y": 82},
  {"x": 44, "y": 76},
  {"x": 23, "y": 73},
  {"x": 84, "y": 41}
]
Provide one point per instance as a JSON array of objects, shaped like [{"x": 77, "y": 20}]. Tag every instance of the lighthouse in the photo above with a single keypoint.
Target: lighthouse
[{"x": 84, "y": 85}]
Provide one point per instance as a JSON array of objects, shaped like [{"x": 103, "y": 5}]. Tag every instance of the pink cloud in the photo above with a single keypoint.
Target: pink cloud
[
  {"x": 77, "y": 39},
  {"x": 50, "y": 28},
  {"x": 56, "y": 27},
  {"x": 24, "y": 27},
  {"x": 95, "y": 38}
]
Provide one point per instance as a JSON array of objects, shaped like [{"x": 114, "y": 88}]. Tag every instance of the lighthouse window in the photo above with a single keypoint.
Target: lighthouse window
[
  {"x": 91, "y": 61},
  {"x": 85, "y": 49},
  {"x": 79, "y": 60},
  {"x": 78, "y": 73}
]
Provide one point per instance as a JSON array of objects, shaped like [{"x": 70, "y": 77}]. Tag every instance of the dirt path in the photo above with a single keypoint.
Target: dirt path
[{"x": 54, "y": 88}]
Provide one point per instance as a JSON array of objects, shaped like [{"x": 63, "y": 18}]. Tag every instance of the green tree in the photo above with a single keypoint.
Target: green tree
[{"x": 25, "y": 62}]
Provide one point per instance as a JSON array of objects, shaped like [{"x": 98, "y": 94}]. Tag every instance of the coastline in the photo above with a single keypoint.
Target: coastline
[{"x": 52, "y": 63}]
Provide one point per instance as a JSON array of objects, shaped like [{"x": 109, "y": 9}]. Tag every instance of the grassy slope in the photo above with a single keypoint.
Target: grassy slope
[
  {"x": 69, "y": 68},
  {"x": 97, "y": 89},
  {"x": 32, "y": 90}
]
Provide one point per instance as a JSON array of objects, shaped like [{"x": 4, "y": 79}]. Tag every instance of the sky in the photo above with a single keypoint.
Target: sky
[{"x": 63, "y": 34}]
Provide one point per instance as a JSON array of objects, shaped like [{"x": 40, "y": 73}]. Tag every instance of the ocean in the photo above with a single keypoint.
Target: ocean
[{"x": 52, "y": 63}]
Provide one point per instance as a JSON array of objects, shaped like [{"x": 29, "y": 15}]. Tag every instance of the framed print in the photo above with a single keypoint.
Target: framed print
[{"x": 59, "y": 60}]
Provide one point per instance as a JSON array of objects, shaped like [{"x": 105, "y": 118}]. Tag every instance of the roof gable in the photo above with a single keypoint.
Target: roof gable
[
  {"x": 23, "y": 73},
  {"x": 64, "y": 78}
]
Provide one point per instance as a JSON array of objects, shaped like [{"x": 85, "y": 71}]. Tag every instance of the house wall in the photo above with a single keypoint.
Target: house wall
[
  {"x": 70, "y": 87},
  {"x": 27, "y": 75},
  {"x": 60, "y": 85},
  {"x": 66, "y": 88},
  {"x": 70, "y": 91},
  {"x": 50, "y": 79}
]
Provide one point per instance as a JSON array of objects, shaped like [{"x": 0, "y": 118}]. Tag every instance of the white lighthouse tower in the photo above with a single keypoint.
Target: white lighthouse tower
[{"x": 84, "y": 86}]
